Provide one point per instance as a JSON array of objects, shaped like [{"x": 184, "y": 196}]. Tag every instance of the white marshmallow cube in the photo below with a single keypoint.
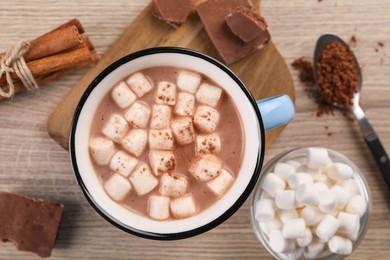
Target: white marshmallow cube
[
  {"x": 101, "y": 150},
  {"x": 320, "y": 187},
  {"x": 269, "y": 226},
  {"x": 340, "y": 171},
  {"x": 166, "y": 93},
  {"x": 342, "y": 196},
  {"x": 208, "y": 144},
  {"x": 183, "y": 130},
  {"x": 327, "y": 228},
  {"x": 205, "y": 167},
  {"x": 314, "y": 250},
  {"x": 206, "y": 119},
  {"x": 162, "y": 161},
  {"x": 273, "y": 184},
  {"x": 158, "y": 207},
  {"x": 294, "y": 228},
  {"x": 135, "y": 141},
  {"x": 284, "y": 170},
  {"x": 220, "y": 184},
  {"x": 139, "y": 84},
  {"x": 299, "y": 178},
  {"x": 160, "y": 139},
  {"x": 138, "y": 115},
  {"x": 340, "y": 245},
  {"x": 349, "y": 223},
  {"x": 173, "y": 185},
  {"x": 183, "y": 207},
  {"x": 123, "y": 163},
  {"x": 350, "y": 186},
  {"x": 185, "y": 105},
  {"x": 117, "y": 187},
  {"x": 311, "y": 215},
  {"x": 208, "y": 94},
  {"x": 285, "y": 199},
  {"x": 356, "y": 205},
  {"x": 318, "y": 158},
  {"x": 286, "y": 214},
  {"x": 161, "y": 116},
  {"x": 143, "y": 180},
  {"x": 280, "y": 244},
  {"x": 306, "y": 240},
  {"x": 314, "y": 172},
  {"x": 327, "y": 201},
  {"x": 122, "y": 95},
  {"x": 307, "y": 194},
  {"x": 116, "y": 128},
  {"x": 265, "y": 210},
  {"x": 325, "y": 180},
  {"x": 188, "y": 81}
]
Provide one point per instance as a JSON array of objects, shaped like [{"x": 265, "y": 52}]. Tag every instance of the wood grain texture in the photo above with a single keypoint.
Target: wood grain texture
[{"x": 33, "y": 164}]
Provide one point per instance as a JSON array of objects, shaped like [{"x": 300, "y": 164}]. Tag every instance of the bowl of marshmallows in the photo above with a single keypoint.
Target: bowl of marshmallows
[{"x": 310, "y": 203}]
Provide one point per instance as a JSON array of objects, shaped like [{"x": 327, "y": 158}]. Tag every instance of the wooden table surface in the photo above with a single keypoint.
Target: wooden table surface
[{"x": 33, "y": 164}]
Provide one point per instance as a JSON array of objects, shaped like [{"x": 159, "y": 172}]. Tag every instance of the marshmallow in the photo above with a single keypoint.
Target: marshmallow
[
  {"x": 318, "y": 158},
  {"x": 340, "y": 245},
  {"x": 350, "y": 186},
  {"x": 161, "y": 116},
  {"x": 272, "y": 184},
  {"x": 342, "y": 196},
  {"x": 314, "y": 249},
  {"x": 135, "y": 141},
  {"x": 325, "y": 180},
  {"x": 320, "y": 187},
  {"x": 158, "y": 207},
  {"x": 286, "y": 214},
  {"x": 327, "y": 228},
  {"x": 279, "y": 243},
  {"x": 166, "y": 93},
  {"x": 205, "y": 167},
  {"x": 294, "y": 228},
  {"x": 138, "y": 115},
  {"x": 307, "y": 194},
  {"x": 327, "y": 201},
  {"x": 311, "y": 215},
  {"x": 208, "y": 94},
  {"x": 123, "y": 163},
  {"x": 101, "y": 150},
  {"x": 117, "y": 187},
  {"x": 265, "y": 210},
  {"x": 349, "y": 223},
  {"x": 143, "y": 180},
  {"x": 161, "y": 161},
  {"x": 160, "y": 139},
  {"x": 122, "y": 95},
  {"x": 356, "y": 205},
  {"x": 314, "y": 172},
  {"x": 183, "y": 207},
  {"x": 305, "y": 240},
  {"x": 206, "y": 119},
  {"x": 299, "y": 178},
  {"x": 284, "y": 170},
  {"x": 173, "y": 185},
  {"x": 188, "y": 81},
  {"x": 208, "y": 144},
  {"x": 220, "y": 184},
  {"x": 139, "y": 84},
  {"x": 293, "y": 163},
  {"x": 116, "y": 128},
  {"x": 183, "y": 130},
  {"x": 285, "y": 199},
  {"x": 269, "y": 226},
  {"x": 185, "y": 104},
  {"x": 340, "y": 171}
]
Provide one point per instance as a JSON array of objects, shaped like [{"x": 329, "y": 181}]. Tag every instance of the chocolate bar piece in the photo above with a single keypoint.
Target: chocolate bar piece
[
  {"x": 30, "y": 223},
  {"x": 174, "y": 12},
  {"x": 247, "y": 24},
  {"x": 229, "y": 46}
]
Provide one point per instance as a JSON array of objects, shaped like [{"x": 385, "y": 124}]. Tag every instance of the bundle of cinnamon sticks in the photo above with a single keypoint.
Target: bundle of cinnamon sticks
[{"x": 56, "y": 54}]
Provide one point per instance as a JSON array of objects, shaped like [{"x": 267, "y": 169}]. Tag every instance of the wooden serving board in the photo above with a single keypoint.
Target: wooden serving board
[{"x": 264, "y": 72}]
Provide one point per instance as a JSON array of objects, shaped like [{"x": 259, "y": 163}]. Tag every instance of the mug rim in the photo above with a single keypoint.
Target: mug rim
[{"x": 188, "y": 233}]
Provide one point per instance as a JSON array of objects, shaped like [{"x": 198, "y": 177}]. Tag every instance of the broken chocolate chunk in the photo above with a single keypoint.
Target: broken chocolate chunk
[
  {"x": 230, "y": 47},
  {"x": 174, "y": 12},
  {"x": 30, "y": 223},
  {"x": 247, "y": 24}
]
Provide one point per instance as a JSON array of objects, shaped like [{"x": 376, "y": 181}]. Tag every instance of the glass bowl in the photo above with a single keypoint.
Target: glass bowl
[{"x": 300, "y": 155}]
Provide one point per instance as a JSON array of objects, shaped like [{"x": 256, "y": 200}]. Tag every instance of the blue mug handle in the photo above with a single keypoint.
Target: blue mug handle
[{"x": 276, "y": 111}]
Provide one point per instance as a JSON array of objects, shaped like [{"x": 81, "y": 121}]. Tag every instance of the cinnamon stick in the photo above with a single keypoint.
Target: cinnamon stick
[{"x": 72, "y": 22}]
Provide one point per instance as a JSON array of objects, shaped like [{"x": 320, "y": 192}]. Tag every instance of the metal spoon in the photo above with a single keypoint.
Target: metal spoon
[{"x": 371, "y": 138}]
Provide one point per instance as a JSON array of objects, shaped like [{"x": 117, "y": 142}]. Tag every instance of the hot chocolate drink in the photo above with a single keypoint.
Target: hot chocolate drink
[{"x": 166, "y": 142}]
